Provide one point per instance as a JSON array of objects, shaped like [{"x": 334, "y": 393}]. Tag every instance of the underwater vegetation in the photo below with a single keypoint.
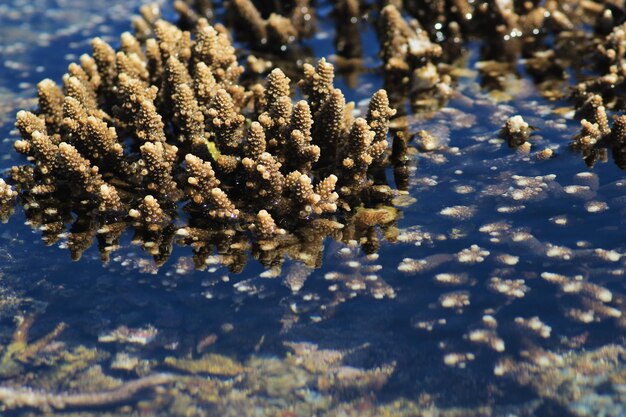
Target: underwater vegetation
[{"x": 434, "y": 248}]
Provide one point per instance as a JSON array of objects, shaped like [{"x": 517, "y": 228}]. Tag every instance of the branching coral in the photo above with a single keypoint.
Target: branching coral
[
  {"x": 596, "y": 133},
  {"x": 133, "y": 135},
  {"x": 404, "y": 47},
  {"x": 608, "y": 59},
  {"x": 266, "y": 26},
  {"x": 7, "y": 200}
]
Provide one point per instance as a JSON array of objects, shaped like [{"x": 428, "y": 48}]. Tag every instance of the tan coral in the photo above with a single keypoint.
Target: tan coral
[
  {"x": 317, "y": 84},
  {"x": 378, "y": 115},
  {"x": 223, "y": 207},
  {"x": 150, "y": 213},
  {"x": 7, "y": 194},
  {"x": 159, "y": 168},
  {"x": 224, "y": 119},
  {"x": 201, "y": 178},
  {"x": 50, "y": 102},
  {"x": 360, "y": 153},
  {"x": 252, "y": 157},
  {"x": 265, "y": 227}
]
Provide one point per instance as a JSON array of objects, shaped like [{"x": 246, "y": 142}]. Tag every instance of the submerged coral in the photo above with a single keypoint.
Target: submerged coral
[
  {"x": 596, "y": 134},
  {"x": 7, "y": 200},
  {"x": 265, "y": 25},
  {"x": 133, "y": 134}
]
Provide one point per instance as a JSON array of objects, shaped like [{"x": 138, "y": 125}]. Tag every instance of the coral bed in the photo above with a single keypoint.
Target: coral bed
[{"x": 170, "y": 138}]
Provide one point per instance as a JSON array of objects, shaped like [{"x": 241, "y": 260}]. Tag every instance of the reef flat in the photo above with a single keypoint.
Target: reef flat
[{"x": 314, "y": 208}]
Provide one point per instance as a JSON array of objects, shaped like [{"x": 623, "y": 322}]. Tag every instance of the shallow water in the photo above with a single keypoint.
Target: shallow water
[{"x": 434, "y": 325}]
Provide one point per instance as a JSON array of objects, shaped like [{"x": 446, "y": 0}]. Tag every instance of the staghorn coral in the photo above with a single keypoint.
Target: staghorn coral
[
  {"x": 411, "y": 61},
  {"x": 422, "y": 44},
  {"x": 164, "y": 124},
  {"x": 607, "y": 57}
]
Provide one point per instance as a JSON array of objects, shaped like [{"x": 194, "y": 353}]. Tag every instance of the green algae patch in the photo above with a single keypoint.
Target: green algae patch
[
  {"x": 213, "y": 150},
  {"x": 208, "y": 364}
]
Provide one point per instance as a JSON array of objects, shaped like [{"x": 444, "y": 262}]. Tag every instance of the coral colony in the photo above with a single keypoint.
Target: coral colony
[
  {"x": 168, "y": 121},
  {"x": 133, "y": 134}
]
